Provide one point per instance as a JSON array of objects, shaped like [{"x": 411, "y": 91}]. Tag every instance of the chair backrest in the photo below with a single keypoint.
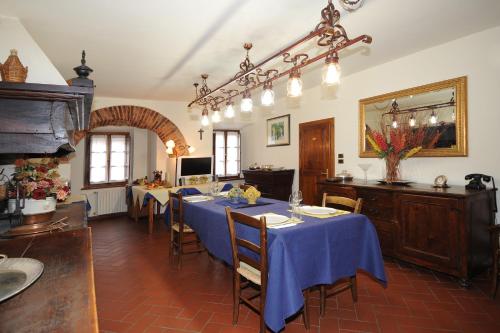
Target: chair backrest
[
  {"x": 245, "y": 186},
  {"x": 176, "y": 209},
  {"x": 354, "y": 205},
  {"x": 259, "y": 249}
]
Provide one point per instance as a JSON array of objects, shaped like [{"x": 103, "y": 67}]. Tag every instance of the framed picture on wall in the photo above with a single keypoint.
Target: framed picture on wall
[{"x": 278, "y": 131}]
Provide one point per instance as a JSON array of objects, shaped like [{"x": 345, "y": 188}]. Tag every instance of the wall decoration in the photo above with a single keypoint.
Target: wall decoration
[{"x": 278, "y": 131}]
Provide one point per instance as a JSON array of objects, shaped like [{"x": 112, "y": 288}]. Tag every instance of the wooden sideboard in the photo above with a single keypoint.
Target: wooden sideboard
[
  {"x": 442, "y": 229},
  {"x": 272, "y": 184}
]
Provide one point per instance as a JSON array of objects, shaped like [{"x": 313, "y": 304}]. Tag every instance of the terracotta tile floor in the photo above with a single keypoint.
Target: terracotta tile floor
[{"x": 138, "y": 290}]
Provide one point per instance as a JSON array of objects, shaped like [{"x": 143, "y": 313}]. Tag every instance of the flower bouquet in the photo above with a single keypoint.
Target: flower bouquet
[{"x": 398, "y": 144}]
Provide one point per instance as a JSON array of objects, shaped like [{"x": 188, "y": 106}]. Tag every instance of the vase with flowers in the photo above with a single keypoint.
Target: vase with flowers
[
  {"x": 400, "y": 143},
  {"x": 41, "y": 186}
]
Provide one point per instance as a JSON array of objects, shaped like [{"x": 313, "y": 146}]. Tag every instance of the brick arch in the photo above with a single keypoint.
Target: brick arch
[{"x": 136, "y": 116}]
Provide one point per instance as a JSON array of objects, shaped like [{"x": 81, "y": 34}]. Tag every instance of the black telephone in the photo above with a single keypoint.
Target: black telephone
[{"x": 476, "y": 183}]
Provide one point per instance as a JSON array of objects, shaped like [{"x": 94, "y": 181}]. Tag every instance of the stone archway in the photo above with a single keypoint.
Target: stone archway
[{"x": 136, "y": 116}]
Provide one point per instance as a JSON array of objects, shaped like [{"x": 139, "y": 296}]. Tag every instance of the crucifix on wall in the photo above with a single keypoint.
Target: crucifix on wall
[{"x": 201, "y": 133}]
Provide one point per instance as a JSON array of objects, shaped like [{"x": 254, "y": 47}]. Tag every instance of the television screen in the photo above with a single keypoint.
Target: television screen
[{"x": 196, "y": 166}]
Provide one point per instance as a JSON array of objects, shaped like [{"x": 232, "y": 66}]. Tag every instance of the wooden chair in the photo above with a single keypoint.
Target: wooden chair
[
  {"x": 253, "y": 271},
  {"x": 344, "y": 284},
  {"x": 495, "y": 247},
  {"x": 352, "y": 205},
  {"x": 245, "y": 186},
  {"x": 180, "y": 232}
]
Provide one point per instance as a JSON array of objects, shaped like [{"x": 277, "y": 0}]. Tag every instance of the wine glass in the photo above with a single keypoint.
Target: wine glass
[
  {"x": 365, "y": 167},
  {"x": 292, "y": 201},
  {"x": 298, "y": 199}
]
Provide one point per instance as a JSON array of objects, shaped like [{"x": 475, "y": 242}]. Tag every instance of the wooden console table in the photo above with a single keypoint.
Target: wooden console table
[
  {"x": 272, "y": 184},
  {"x": 442, "y": 229}
]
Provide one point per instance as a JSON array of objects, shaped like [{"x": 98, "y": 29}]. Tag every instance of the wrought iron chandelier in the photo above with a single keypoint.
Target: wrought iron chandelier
[{"x": 330, "y": 37}]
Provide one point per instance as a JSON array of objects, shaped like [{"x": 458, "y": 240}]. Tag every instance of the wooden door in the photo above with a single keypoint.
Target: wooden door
[
  {"x": 316, "y": 154},
  {"x": 429, "y": 231}
]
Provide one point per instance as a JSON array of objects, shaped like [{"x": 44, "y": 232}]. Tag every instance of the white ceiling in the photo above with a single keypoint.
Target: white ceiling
[{"x": 156, "y": 49}]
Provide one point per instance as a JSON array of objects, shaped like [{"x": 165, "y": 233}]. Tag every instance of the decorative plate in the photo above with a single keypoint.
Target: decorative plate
[
  {"x": 316, "y": 210},
  {"x": 17, "y": 274}
]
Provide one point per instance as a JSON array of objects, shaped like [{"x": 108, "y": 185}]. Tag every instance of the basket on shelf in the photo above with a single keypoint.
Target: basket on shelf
[{"x": 13, "y": 70}]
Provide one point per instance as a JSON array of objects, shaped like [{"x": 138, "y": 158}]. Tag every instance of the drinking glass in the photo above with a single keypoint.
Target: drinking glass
[
  {"x": 292, "y": 201},
  {"x": 298, "y": 200}
]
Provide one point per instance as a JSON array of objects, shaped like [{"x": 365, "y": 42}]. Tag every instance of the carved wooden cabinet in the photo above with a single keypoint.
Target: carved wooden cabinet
[
  {"x": 271, "y": 184},
  {"x": 442, "y": 229}
]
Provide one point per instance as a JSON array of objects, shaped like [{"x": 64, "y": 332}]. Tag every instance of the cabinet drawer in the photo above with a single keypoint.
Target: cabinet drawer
[
  {"x": 342, "y": 191},
  {"x": 377, "y": 204}
]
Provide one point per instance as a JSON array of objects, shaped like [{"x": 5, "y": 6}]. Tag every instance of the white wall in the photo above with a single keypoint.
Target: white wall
[
  {"x": 13, "y": 35},
  {"x": 476, "y": 56}
]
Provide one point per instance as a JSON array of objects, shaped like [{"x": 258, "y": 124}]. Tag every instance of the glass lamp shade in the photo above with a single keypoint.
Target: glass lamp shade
[
  {"x": 216, "y": 118},
  {"x": 246, "y": 104},
  {"x": 412, "y": 122},
  {"x": 331, "y": 73},
  {"x": 170, "y": 143},
  {"x": 294, "y": 86},
  {"x": 267, "y": 97},
  {"x": 191, "y": 149},
  {"x": 170, "y": 150},
  {"x": 229, "y": 112},
  {"x": 204, "y": 120},
  {"x": 394, "y": 123},
  {"x": 433, "y": 119}
]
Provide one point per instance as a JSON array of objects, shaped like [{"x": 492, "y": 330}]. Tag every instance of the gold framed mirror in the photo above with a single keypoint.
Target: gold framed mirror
[{"x": 440, "y": 107}]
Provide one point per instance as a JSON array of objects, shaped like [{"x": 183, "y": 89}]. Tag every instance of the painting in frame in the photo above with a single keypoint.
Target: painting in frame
[{"x": 278, "y": 131}]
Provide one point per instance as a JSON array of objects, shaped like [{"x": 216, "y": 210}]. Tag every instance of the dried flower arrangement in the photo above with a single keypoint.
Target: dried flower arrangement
[
  {"x": 400, "y": 143},
  {"x": 40, "y": 180}
]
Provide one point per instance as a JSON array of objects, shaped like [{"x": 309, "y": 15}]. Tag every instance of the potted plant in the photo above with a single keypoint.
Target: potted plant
[{"x": 42, "y": 187}]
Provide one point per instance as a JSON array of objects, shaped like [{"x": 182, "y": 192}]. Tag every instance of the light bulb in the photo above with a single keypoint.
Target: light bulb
[
  {"x": 191, "y": 149},
  {"x": 453, "y": 116},
  {"x": 170, "y": 143},
  {"x": 294, "y": 86},
  {"x": 204, "y": 120},
  {"x": 412, "y": 121},
  {"x": 433, "y": 118},
  {"x": 170, "y": 150},
  {"x": 246, "y": 103},
  {"x": 216, "y": 116},
  {"x": 229, "y": 112},
  {"x": 394, "y": 122},
  {"x": 331, "y": 70},
  {"x": 267, "y": 97}
]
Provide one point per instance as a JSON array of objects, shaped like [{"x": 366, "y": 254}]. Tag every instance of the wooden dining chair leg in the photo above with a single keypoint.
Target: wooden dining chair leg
[
  {"x": 322, "y": 300},
  {"x": 494, "y": 273},
  {"x": 180, "y": 250},
  {"x": 172, "y": 239},
  {"x": 305, "y": 312},
  {"x": 354, "y": 288},
  {"x": 261, "y": 309},
  {"x": 236, "y": 297}
]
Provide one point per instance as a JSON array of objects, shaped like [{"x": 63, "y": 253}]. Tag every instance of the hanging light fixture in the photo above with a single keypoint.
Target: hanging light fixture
[
  {"x": 331, "y": 70},
  {"x": 216, "y": 118},
  {"x": 329, "y": 37},
  {"x": 246, "y": 102},
  {"x": 294, "y": 84},
  {"x": 267, "y": 97},
  {"x": 433, "y": 118},
  {"x": 191, "y": 149},
  {"x": 394, "y": 122},
  {"x": 204, "y": 117},
  {"x": 412, "y": 121},
  {"x": 229, "y": 111}
]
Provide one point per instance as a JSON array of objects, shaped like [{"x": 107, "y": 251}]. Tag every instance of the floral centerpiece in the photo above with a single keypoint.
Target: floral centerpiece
[
  {"x": 251, "y": 194},
  {"x": 41, "y": 180},
  {"x": 398, "y": 144},
  {"x": 235, "y": 194}
]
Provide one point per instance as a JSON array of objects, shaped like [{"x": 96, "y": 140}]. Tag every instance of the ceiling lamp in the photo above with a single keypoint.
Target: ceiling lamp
[
  {"x": 330, "y": 38},
  {"x": 216, "y": 118},
  {"x": 246, "y": 102},
  {"x": 412, "y": 121},
  {"x": 351, "y": 5},
  {"x": 229, "y": 111},
  {"x": 433, "y": 119},
  {"x": 331, "y": 70},
  {"x": 267, "y": 97},
  {"x": 394, "y": 122},
  {"x": 204, "y": 118}
]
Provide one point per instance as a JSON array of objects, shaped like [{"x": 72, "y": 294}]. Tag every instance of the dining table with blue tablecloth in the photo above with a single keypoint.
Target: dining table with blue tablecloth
[{"x": 317, "y": 251}]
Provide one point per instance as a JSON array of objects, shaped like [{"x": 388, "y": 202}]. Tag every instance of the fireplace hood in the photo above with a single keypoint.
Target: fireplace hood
[{"x": 40, "y": 119}]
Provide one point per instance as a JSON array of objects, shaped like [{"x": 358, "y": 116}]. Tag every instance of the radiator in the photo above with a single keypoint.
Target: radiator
[{"x": 107, "y": 201}]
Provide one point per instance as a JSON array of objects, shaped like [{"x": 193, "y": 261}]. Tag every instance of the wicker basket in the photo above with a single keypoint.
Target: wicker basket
[{"x": 13, "y": 70}]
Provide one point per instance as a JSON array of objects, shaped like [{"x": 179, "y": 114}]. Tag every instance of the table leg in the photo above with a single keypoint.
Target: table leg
[
  {"x": 151, "y": 214},
  {"x": 137, "y": 209},
  {"x": 158, "y": 209}
]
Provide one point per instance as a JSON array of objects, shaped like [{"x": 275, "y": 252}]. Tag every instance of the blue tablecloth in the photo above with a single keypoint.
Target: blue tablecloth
[{"x": 318, "y": 251}]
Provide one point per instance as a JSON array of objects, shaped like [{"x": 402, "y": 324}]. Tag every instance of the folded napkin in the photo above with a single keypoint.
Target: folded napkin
[
  {"x": 276, "y": 221},
  {"x": 197, "y": 198}
]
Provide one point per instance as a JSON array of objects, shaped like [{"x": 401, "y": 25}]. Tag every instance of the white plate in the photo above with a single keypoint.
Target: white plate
[
  {"x": 273, "y": 218},
  {"x": 316, "y": 210},
  {"x": 17, "y": 274},
  {"x": 197, "y": 198}
]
